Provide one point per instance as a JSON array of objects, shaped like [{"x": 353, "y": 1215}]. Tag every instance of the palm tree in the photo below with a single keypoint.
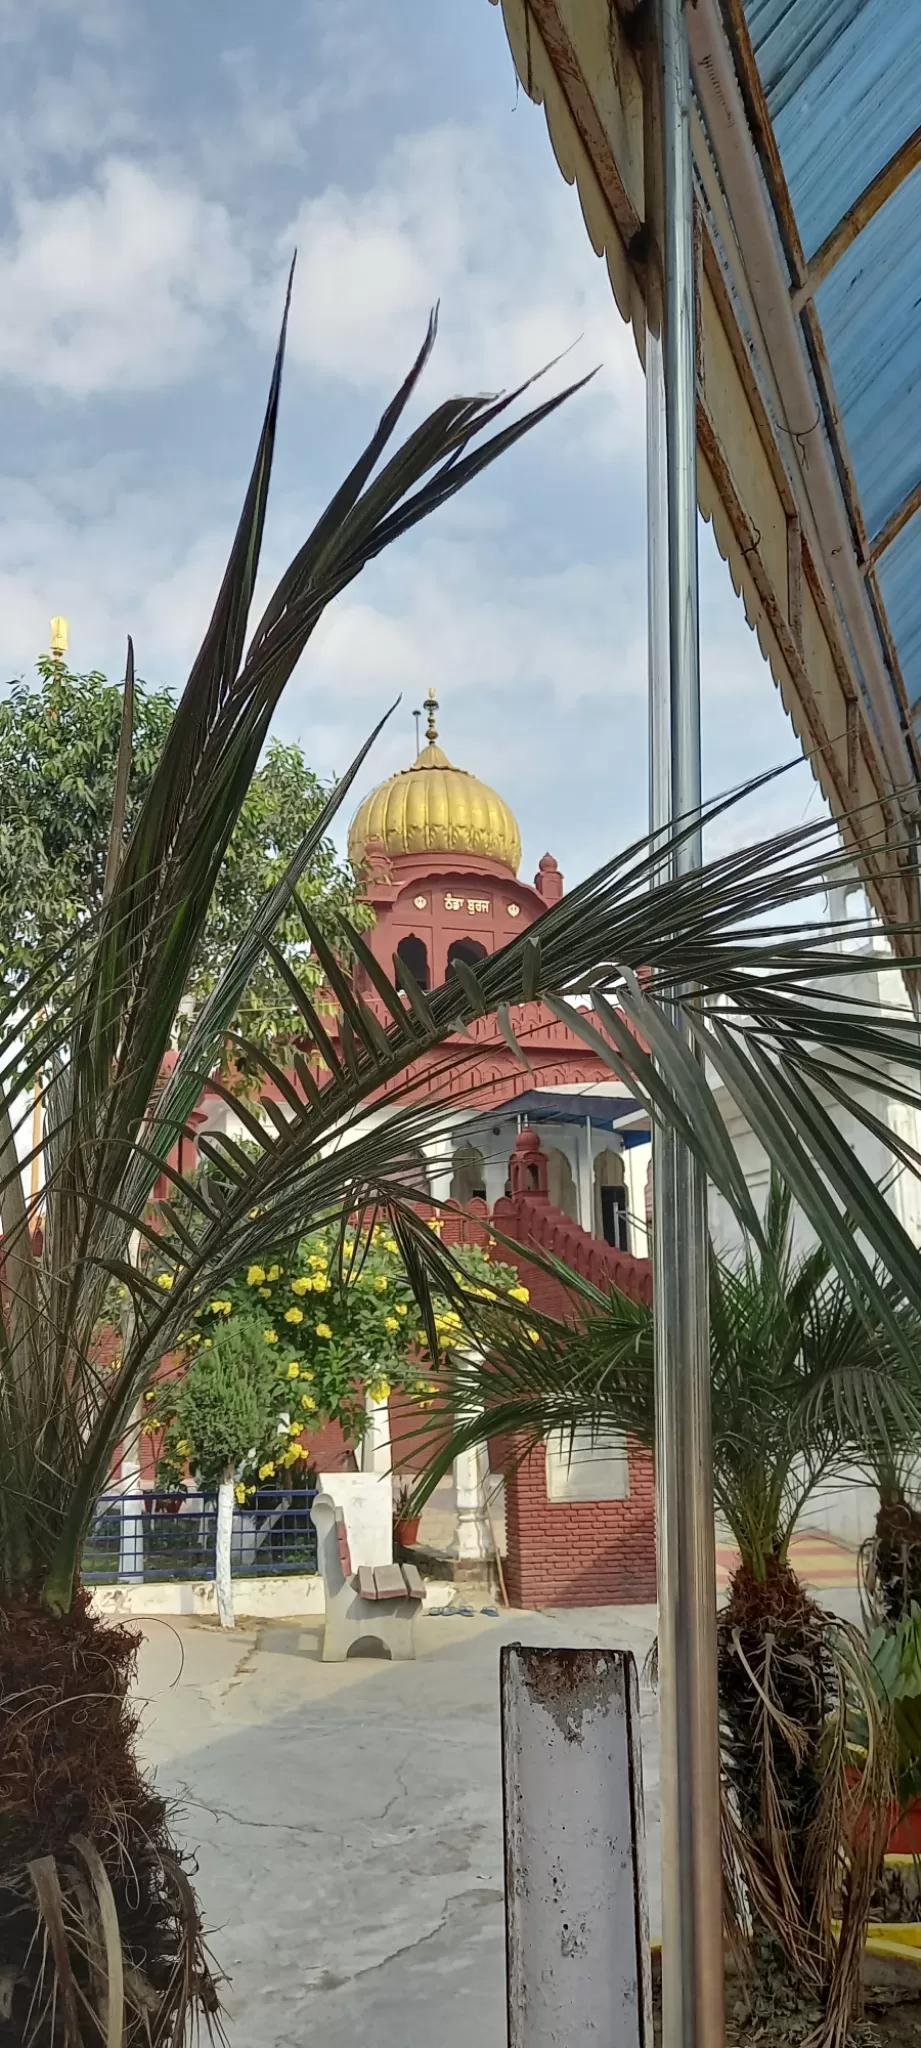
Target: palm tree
[
  {"x": 796, "y": 1369},
  {"x": 99, "y": 1932}
]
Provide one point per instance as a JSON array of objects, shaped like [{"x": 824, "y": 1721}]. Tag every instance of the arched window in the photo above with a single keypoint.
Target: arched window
[
  {"x": 468, "y": 950},
  {"x": 415, "y": 953},
  {"x": 468, "y": 1181},
  {"x": 561, "y": 1187}
]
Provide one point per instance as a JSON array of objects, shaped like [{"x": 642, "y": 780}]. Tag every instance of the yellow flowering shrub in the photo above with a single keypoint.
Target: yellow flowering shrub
[{"x": 364, "y": 1341}]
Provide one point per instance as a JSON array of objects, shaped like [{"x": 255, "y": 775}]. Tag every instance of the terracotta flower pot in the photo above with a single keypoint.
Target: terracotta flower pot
[
  {"x": 406, "y": 1529},
  {"x": 905, "y": 1839}
]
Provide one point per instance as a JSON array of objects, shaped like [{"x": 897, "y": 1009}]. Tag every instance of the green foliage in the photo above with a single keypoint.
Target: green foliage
[
  {"x": 224, "y": 1407},
  {"x": 58, "y": 753},
  {"x": 336, "y": 1322}
]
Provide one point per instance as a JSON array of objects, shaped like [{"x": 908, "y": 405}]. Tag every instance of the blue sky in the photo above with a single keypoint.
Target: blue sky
[{"x": 160, "y": 163}]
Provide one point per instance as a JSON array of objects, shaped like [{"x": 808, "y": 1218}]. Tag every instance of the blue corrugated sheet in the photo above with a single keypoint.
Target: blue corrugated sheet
[{"x": 842, "y": 79}]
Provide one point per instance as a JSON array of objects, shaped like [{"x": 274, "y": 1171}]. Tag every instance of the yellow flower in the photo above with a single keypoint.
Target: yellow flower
[
  {"x": 274, "y": 1273},
  {"x": 153, "y": 1422},
  {"x": 303, "y": 1285},
  {"x": 434, "y": 1223},
  {"x": 379, "y": 1390},
  {"x": 519, "y": 1294},
  {"x": 307, "y": 1401},
  {"x": 294, "y": 1428},
  {"x": 206, "y": 1344},
  {"x": 306, "y": 1374},
  {"x": 239, "y": 1494},
  {"x": 402, "y": 1309},
  {"x": 323, "y": 1330},
  {"x": 390, "y": 1245},
  {"x": 294, "y": 1370},
  {"x": 165, "y": 1280},
  {"x": 266, "y": 1293},
  {"x": 150, "y": 1395},
  {"x": 390, "y": 1323},
  {"x": 294, "y": 1315},
  {"x": 271, "y": 1336},
  {"x": 255, "y": 1276},
  {"x": 320, "y": 1285},
  {"x": 381, "y": 1283},
  {"x": 267, "y": 1471},
  {"x": 183, "y": 1448},
  {"x": 221, "y": 1308},
  {"x": 534, "y": 1336}
]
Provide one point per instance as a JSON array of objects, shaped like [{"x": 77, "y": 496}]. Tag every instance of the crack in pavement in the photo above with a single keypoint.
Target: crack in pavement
[
  {"x": 184, "y": 1797},
  {"x": 482, "y": 1895}
]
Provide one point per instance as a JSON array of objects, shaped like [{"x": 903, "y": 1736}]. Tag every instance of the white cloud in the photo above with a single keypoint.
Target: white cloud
[
  {"x": 117, "y": 284},
  {"x": 21, "y": 21},
  {"x": 449, "y": 215}
]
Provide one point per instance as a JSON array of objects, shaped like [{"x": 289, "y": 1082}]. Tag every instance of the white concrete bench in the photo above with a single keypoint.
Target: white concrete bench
[{"x": 378, "y": 1603}]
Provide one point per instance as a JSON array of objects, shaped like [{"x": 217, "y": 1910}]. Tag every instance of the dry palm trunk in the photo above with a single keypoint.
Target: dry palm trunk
[
  {"x": 896, "y": 1559},
  {"x": 85, "y": 1842},
  {"x": 806, "y": 1841}
]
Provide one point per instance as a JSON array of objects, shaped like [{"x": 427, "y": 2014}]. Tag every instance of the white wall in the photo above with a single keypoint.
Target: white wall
[{"x": 845, "y": 1508}]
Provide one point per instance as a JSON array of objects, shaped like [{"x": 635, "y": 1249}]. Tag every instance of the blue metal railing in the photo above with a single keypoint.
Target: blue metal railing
[{"x": 146, "y": 1537}]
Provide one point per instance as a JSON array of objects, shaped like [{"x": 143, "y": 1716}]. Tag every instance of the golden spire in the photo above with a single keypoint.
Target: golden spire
[
  {"x": 59, "y": 638},
  {"x": 431, "y": 730}
]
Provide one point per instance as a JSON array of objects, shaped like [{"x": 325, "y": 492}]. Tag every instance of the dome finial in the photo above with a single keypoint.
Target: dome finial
[{"x": 431, "y": 730}]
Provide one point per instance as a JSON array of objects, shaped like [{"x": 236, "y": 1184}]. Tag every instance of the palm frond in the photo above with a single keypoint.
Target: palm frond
[{"x": 801, "y": 1380}]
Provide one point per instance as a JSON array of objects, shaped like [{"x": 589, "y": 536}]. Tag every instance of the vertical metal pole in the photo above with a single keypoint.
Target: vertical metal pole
[{"x": 692, "y": 1947}]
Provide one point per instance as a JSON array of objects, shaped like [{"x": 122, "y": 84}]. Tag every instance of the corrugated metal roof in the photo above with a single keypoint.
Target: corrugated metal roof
[{"x": 842, "y": 82}]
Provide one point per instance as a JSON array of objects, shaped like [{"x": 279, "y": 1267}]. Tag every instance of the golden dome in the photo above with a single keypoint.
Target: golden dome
[{"x": 434, "y": 807}]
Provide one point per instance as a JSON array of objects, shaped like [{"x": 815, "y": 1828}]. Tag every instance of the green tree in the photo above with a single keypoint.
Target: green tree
[
  {"x": 59, "y": 743},
  {"x": 224, "y": 1415}
]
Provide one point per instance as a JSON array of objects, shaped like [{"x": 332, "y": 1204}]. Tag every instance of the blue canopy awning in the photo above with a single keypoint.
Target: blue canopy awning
[
  {"x": 605, "y": 1111},
  {"x": 841, "y": 81}
]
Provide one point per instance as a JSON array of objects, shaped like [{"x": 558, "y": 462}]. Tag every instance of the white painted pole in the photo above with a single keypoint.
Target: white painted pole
[
  {"x": 223, "y": 1574},
  {"x": 577, "y": 1934},
  {"x": 376, "y": 1448},
  {"x": 692, "y": 1947}
]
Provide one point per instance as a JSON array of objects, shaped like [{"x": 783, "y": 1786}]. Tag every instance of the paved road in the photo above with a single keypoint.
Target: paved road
[{"x": 347, "y": 1820}]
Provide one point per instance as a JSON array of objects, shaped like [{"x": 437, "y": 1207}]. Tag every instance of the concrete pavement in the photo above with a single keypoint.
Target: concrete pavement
[{"x": 347, "y": 1820}]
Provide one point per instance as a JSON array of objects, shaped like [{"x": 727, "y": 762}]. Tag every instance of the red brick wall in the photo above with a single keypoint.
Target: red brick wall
[
  {"x": 574, "y": 1553},
  {"x": 579, "y": 1553}
]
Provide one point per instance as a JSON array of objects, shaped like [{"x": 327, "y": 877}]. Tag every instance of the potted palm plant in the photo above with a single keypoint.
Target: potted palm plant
[{"x": 405, "y": 1520}]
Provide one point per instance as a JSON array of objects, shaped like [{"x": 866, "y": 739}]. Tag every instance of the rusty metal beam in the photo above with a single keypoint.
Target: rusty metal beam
[
  {"x": 857, "y": 217},
  {"x": 911, "y": 503},
  {"x": 546, "y": 19}
]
